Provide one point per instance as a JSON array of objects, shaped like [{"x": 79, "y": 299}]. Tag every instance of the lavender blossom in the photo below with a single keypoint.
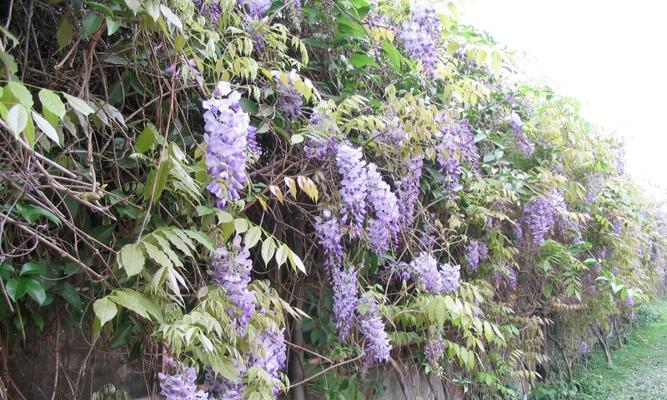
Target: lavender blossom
[
  {"x": 393, "y": 133},
  {"x": 353, "y": 190},
  {"x": 211, "y": 9},
  {"x": 420, "y": 36},
  {"x": 223, "y": 389},
  {"x": 539, "y": 218},
  {"x": 344, "y": 300},
  {"x": 289, "y": 99},
  {"x": 408, "y": 190},
  {"x": 227, "y": 134},
  {"x": 516, "y": 125},
  {"x": 255, "y": 8},
  {"x": 476, "y": 251},
  {"x": 450, "y": 167},
  {"x": 436, "y": 279},
  {"x": 230, "y": 269},
  {"x": 327, "y": 230},
  {"x": 383, "y": 228},
  {"x": 272, "y": 356},
  {"x": 377, "y": 348},
  {"x": 180, "y": 384},
  {"x": 434, "y": 348}
]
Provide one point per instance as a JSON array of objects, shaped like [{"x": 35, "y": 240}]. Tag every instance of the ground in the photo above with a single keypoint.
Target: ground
[{"x": 639, "y": 371}]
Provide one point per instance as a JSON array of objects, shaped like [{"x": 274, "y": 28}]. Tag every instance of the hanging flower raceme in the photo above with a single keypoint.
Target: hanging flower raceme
[
  {"x": 210, "y": 9},
  {"x": 420, "y": 36},
  {"x": 353, "y": 192},
  {"x": 436, "y": 279},
  {"x": 394, "y": 133},
  {"x": 230, "y": 269},
  {"x": 516, "y": 125},
  {"x": 230, "y": 140},
  {"x": 255, "y": 8},
  {"x": 344, "y": 300},
  {"x": 408, "y": 190},
  {"x": 272, "y": 356},
  {"x": 434, "y": 348},
  {"x": 476, "y": 251},
  {"x": 289, "y": 98},
  {"x": 538, "y": 218},
  {"x": 223, "y": 389},
  {"x": 329, "y": 235},
  {"x": 324, "y": 124},
  {"x": 180, "y": 383},
  {"x": 377, "y": 347},
  {"x": 384, "y": 227}
]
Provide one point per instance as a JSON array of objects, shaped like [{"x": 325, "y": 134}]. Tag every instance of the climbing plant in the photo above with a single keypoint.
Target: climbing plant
[{"x": 255, "y": 197}]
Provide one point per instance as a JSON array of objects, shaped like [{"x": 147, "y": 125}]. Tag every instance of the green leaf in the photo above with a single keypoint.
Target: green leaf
[
  {"x": 15, "y": 289},
  {"x": 268, "y": 249},
  {"x": 38, "y": 320},
  {"x": 69, "y": 293},
  {"x": 252, "y": 236},
  {"x": 17, "y": 119},
  {"x": 393, "y": 55},
  {"x": 46, "y": 127},
  {"x": 281, "y": 254},
  {"x": 153, "y": 9},
  {"x": 240, "y": 225},
  {"x": 33, "y": 268},
  {"x": 31, "y": 213},
  {"x": 65, "y": 33},
  {"x": 131, "y": 259},
  {"x": 201, "y": 238},
  {"x": 362, "y": 60},
  {"x": 105, "y": 310},
  {"x": 133, "y": 5},
  {"x": 21, "y": 93},
  {"x": 79, "y": 105},
  {"x": 51, "y": 102},
  {"x": 296, "y": 262},
  {"x": 157, "y": 255},
  {"x": 9, "y": 62},
  {"x": 146, "y": 139},
  {"x": 137, "y": 302},
  {"x": 90, "y": 24},
  {"x": 113, "y": 25},
  {"x": 35, "y": 290},
  {"x": 171, "y": 17}
]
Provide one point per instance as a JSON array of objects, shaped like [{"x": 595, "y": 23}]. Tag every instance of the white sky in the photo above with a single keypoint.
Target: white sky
[{"x": 611, "y": 55}]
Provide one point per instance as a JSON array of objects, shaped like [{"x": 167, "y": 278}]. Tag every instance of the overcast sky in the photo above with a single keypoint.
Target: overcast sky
[{"x": 611, "y": 55}]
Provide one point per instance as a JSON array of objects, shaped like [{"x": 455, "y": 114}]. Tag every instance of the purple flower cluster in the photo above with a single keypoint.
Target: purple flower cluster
[
  {"x": 408, "y": 189},
  {"x": 229, "y": 139},
  {"x": 476, "y": 251},
  {"x": 255, "y": 8},
  {"x": 420, "y": 36},
  {"x": 436, "y": 279},
  {"x": 434, "y": 348},
  {"x": 181, "y": 384},
  {"x": 352, "y": 168},
  {"x": 272, "y": 356},
  {"x": 344, "y": 300},
  {"x": 516, "y": 125},
  {"x": 230, "y": 269},
  {"x": 539, "y": 218},
  {"x": 459, "y": 134},
  {"x": 450, "y": 167},
  {"x": 394, "y": 132},
  {"x": 382, "y": 229},
  {"x": 210, "y": 10},
  {"x": 324, "y": 124},
  {"x": 583, "y": 348},
  {"x": 329, "y": 235},
  {"x": 377, "y": 348},
  {"x": 222, "y": 388},
  {"x": 289, "y": 99}
]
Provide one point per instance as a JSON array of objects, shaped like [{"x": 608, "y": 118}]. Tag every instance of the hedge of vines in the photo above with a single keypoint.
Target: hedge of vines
[{"x": 256, "y": 197}]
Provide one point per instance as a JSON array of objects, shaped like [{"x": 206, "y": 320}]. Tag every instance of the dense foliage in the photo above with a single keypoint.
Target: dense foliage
[{"x": 252, "y": 197}]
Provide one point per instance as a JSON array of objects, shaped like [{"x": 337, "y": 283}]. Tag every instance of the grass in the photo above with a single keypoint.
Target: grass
[{"x": 639, "y": 371}]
